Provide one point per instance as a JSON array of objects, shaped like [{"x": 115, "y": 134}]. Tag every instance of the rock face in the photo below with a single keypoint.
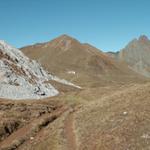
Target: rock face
[
  {"x": 20, "y": 77},
  {"x": 137, "y": 55}
]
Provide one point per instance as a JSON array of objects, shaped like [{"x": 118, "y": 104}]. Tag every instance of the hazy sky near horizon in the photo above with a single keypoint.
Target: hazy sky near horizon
[{"x": 106, "y": 24}]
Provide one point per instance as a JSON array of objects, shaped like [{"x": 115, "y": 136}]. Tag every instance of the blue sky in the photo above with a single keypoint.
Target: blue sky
[{"x": 107, "y": 24}]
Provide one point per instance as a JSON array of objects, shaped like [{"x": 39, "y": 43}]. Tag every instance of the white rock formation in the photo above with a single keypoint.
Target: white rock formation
[{"x": 20, "y": 77}]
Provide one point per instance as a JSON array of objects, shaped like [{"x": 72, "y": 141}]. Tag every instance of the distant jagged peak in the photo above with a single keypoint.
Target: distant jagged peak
[
  {"x": 136, "y": 54},
  {"x": 143, "y": 38},
  {"x": 138, "y": 44}
]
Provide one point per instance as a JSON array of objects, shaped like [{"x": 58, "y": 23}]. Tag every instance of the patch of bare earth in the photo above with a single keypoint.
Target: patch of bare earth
[
  {"x": 70, "y": 132},
  {"x": 21, "y": 121}
]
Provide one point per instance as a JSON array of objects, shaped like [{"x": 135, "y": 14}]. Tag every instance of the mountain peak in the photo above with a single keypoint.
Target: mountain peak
[
  {"x": 65, "y": 37},
  {"x": 143, "y": 38},
  {"x": 136, "y": 54},
  {"x": 63, "y": 42}
]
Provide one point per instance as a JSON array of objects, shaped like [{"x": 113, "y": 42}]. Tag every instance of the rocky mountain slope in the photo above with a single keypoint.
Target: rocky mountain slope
[
  {"x": 78, "y": 62},
  {"x": 67, "y": 54},
  {"x": 23, "y": 78},
  {"x": 136, "y": 54}
]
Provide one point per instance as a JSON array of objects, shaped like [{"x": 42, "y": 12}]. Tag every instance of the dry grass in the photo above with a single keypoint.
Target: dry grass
[
  {"x": 105, "y": 118},
  {"x": 118, "y": 121}
]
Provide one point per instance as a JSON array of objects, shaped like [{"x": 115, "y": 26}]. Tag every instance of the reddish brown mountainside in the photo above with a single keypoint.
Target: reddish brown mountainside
[{"x": 81, "y": 63}]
